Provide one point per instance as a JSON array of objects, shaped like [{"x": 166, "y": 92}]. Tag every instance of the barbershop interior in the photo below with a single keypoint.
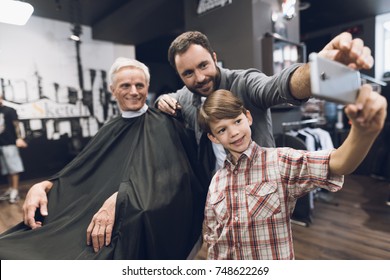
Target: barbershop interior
[{"x": 54, "y": 72}]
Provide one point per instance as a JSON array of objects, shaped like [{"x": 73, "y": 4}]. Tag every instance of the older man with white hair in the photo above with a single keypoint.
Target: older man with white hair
[{"x": 132, "y": 193}]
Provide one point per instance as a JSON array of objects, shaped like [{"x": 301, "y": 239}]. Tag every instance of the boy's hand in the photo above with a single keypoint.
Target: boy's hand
[{"x": 368, "y": 114}]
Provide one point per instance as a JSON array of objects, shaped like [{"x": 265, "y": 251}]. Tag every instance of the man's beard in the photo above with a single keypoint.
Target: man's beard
[{"x": 215, "y": 80}]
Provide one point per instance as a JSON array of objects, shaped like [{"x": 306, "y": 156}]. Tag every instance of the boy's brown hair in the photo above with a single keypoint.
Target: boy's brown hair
[{"x": 221, "y": 104}]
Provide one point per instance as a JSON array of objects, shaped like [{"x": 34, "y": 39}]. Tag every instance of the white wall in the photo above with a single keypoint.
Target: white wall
[
  {"x": 42, "y": 48},
  {"x": 382, "y": 57}
]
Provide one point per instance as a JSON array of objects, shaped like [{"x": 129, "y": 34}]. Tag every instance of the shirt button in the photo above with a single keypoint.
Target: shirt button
[
  {"x": 236, "y": 218},
  {"x": 235, "y": 194},
  {"x": 235, "y": 171}
]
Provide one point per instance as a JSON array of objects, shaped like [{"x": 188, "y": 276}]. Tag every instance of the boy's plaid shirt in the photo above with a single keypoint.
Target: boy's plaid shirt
[{"x": 249, "y": 205}]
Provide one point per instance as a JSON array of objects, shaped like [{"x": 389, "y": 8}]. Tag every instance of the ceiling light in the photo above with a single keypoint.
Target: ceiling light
[
  {"x": 74, "y": 37},
  {"x": 288, "y": 9},
  {"x": 76, "y": 32},
  {"x": 386, "y": 25},
  {"x": 304, "y": 6},
  {"x": 15, "y": 12}
]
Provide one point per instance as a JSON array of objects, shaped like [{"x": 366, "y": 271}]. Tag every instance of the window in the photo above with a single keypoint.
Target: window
[{"x": 382, "y": 43}]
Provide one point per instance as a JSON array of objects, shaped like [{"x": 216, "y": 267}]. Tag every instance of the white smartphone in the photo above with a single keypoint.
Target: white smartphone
[{"x": 333, "y": 81}]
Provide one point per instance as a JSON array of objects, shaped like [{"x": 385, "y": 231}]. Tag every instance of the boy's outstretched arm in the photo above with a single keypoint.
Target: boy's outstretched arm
[{"x": 367, "y": 115}]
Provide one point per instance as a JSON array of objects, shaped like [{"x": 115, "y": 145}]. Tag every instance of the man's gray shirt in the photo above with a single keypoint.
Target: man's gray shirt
[{"x": 258, "y": 92}]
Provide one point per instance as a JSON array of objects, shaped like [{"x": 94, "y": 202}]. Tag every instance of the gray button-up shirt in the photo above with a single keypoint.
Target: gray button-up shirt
[{"x": 258, "y": 92}]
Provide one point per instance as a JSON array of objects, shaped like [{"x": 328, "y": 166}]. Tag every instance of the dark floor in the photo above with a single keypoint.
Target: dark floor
[{"x": 358, "y": 228}]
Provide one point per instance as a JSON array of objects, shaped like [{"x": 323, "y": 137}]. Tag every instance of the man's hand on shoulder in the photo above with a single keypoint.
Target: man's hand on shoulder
[{"x": 168, "y": 105}]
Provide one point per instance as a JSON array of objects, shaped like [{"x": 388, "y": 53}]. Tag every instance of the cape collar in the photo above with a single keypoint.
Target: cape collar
[{"x": 134, "y": 114}]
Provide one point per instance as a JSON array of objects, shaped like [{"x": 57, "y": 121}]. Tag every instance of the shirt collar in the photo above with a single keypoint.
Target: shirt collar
[
  {"x": 134, "y": 114},
  {"x": 196, "y": 100},
  {"x": 249, "y": 153}
]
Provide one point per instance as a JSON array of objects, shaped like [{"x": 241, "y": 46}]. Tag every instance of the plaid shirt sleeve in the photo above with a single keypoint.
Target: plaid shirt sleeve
[{"x": 303, "y": 171}]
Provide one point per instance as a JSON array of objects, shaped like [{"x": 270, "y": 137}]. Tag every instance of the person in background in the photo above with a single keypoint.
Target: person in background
[
  {"x": 10, "y": 142},
  {"x": 195, "y": 61},
  {"x": 134, "y": 192},
  {"x": 250, "y": 199}
]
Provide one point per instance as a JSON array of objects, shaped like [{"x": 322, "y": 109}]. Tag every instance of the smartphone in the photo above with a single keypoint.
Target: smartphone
[{"x": 333, "y": 81}]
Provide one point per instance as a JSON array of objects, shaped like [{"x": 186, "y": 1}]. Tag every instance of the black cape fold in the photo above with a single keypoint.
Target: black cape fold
[{"x": 151, "y": 161}]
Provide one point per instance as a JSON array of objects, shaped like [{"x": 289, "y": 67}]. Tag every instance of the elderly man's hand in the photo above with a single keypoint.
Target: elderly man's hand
[
  {"x": 99, "y": 231},
  {"x": 36, "y": 198}
]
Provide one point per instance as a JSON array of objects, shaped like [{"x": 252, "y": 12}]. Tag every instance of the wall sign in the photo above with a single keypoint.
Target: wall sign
[
  {"x": 205, "y": 6},
  {"x": 49, "y": 109}
]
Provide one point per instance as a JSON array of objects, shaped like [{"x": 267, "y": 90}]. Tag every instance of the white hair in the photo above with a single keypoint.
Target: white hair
[{"x": 121, "y": 62}]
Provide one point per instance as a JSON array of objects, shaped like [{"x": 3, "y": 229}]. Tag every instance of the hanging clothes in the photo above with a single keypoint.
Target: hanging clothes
[{"x": 311, "y": 139}]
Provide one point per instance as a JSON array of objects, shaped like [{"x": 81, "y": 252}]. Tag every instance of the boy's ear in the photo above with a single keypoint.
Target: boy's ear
[
  {"x": 249, "y": 116},
  {"x": 213, "y": 138}
]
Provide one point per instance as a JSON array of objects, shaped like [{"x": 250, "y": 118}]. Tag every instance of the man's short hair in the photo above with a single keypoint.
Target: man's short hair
[{"x": 181, "y": 44}]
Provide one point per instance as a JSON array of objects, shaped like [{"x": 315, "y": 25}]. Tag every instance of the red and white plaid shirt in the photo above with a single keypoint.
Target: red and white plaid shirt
[{"x": 248, "y": 208}]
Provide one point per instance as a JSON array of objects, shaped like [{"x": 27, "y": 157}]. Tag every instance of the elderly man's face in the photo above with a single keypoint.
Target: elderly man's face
[{"x": 130, "y": 89}]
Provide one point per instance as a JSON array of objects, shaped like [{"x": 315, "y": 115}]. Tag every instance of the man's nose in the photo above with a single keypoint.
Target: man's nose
[
  {"x": 133, "y": 90},
  {"x": 199, "y": 76}
]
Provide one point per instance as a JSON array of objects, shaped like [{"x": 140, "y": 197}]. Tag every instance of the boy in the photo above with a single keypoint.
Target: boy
[{"x": 250, "y": 200}]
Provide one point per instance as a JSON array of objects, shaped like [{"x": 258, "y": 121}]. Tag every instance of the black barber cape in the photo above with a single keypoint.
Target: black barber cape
[{"x": 150, "y": 160}]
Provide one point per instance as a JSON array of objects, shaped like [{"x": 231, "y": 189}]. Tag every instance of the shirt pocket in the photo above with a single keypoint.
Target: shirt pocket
[
  {"x": 218, "y": 203},
  {"x": 262, "y": 200}
]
